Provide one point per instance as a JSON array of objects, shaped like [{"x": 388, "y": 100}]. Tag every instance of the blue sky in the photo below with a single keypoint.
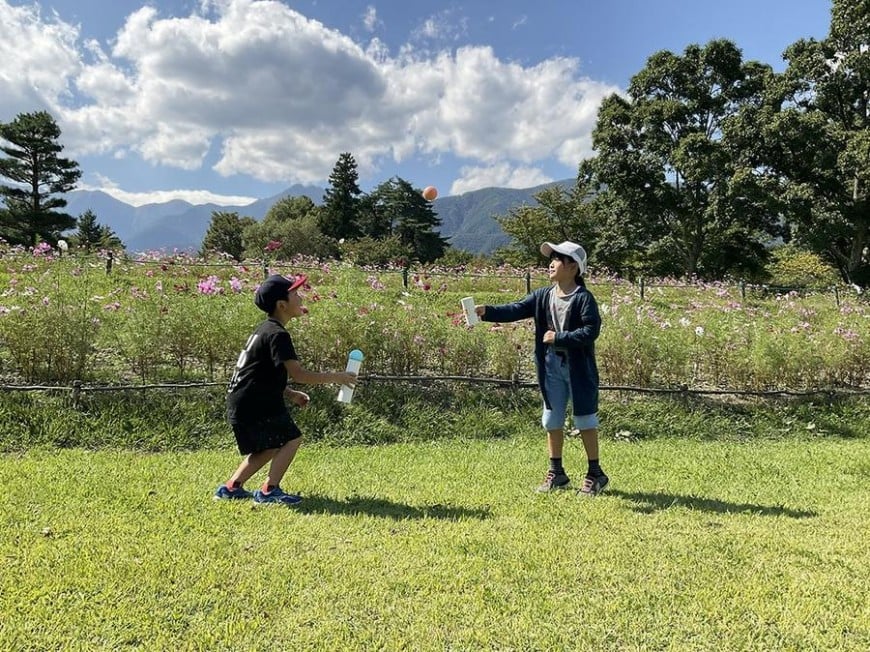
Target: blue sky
[{"x": 234, "y": 100}]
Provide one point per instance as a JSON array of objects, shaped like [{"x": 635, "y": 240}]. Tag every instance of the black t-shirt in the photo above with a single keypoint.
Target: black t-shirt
[{"x": 256, "y": 390}]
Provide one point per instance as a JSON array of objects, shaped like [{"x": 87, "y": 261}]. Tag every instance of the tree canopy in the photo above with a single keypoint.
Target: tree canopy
[
  {"x": 812, "y": 136},
  {"x": 340, "y": 211},
  {"x": 39, "y": 177},
  {"x": 668, "y": 173}
]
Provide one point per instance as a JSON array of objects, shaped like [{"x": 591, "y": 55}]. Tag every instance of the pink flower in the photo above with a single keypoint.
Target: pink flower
[
  {"x": 272, "y": 245},
  {"x": 209, "y": 286},
  {"x": 235, "y": 284}
]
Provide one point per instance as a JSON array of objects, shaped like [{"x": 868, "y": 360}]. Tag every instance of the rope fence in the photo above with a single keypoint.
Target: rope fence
[{"x": 78, "y": 388}]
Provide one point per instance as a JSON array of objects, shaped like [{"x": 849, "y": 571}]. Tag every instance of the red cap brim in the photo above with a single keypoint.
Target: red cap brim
[{"x": 299, "y": 282}]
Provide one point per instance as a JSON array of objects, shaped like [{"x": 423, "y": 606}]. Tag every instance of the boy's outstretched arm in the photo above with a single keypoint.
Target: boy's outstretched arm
[
  {"x": 300, "y": 375},
  {"x": 522, "y": 309}
]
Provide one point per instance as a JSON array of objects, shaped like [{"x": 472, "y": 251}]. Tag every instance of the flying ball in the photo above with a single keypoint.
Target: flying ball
[{"x": 430, "y": 193}]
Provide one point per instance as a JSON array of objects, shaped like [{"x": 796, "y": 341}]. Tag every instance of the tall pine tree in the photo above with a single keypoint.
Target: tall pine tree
[
  {"x": 411, "y": 218},
  {"x": 340, "y": 211},
  {"x": 38, "y": 174}
]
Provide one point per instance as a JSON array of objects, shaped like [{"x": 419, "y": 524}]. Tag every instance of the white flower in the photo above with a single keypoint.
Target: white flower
[
  {"x": 699, "y": 331},
  {"x": 62, "y": 245}
]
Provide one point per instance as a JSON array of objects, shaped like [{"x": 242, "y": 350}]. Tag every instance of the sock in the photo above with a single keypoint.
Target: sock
[
  {"x": 556, "y": 465},
  {"x": 594, "y": 468}
]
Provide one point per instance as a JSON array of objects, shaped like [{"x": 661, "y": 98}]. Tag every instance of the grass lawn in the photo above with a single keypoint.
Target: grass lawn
[{"x": 699, "y": 545}]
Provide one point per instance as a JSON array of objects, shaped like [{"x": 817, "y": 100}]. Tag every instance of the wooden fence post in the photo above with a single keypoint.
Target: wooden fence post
[
  {"x": 265, "y": 270},
  {"x": 837, "y": 295},
  {"x": 76, "y": 393},
  {"x": 109, "y": 259},
  {"x": 642, "y": 291},
  {"x": 528, "y": 282},
  {"x": 405, "y": 277}
]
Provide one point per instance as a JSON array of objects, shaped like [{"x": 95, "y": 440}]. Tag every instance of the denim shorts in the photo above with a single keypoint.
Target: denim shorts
[{"x": 557, "y": 382}]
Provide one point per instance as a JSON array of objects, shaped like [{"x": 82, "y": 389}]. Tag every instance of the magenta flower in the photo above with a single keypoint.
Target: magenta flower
[{"x": 209, "y": 286}]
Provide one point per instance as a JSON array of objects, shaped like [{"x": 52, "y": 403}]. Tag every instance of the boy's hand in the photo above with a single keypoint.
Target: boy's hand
[
  {"x": 549, "y": 337},
  {"x": 299, "y": 399},
  {"x": 480, "y": 310},
  {"x": 346, "y": 378}
]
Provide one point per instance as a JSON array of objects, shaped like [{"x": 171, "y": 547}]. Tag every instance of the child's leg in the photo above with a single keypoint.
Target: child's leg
[
  {"x": 558, "y": 387},
  {"x": 590, "y": 442},
  {"x": 555, "y": 441},
  {"x": 250, "y": 465},
  {"x": 596, "y": 480},
  {"x": 281, "y": 462}
]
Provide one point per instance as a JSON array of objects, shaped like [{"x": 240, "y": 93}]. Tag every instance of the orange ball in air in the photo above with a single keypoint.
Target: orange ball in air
[{"x": 430, "y": 193}]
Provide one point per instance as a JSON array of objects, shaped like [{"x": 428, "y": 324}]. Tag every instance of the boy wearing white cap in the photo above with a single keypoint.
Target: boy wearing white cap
[{"x": 567, "y": 322}]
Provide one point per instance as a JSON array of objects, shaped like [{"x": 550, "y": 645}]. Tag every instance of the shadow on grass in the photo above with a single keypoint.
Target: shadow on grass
[
  {"x": 355, "y": 505},
  {"x": 648, "y": 503}
]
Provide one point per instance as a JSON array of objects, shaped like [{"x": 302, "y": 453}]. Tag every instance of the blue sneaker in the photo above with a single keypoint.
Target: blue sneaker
[
  {"x": 277, "y": 495},
  {"x": 225, "y": 493}
]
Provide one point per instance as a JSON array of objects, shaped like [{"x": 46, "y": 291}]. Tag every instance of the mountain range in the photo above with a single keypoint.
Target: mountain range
[{"x": 467, "y": 220}]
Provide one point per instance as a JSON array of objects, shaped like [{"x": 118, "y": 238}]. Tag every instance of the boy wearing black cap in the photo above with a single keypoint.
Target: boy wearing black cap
[{"x": 264, "y": 430}]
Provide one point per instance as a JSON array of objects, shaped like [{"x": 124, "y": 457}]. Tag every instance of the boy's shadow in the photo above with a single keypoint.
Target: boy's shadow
[
  {"x": 354, "y": 505},
  {"x": 648, "y": 503}
]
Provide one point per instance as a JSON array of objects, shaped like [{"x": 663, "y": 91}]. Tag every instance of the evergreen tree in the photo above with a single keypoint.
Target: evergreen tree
[
  {"x": 340, "y": 211},
  {"x": 109, "y": 239},
  {"x": 91, "y": 235},
  {"x": 224, "y": 234},
  {"x": 410, "y": 217},
  {"x": 32, "y": 163}
]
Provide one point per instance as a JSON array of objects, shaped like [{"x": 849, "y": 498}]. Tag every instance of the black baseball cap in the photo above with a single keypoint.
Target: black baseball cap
[{"x": 275, "y": 289}]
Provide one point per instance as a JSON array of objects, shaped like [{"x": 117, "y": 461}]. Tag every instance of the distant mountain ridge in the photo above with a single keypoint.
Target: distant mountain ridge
[{"x": 466, "y": 220}]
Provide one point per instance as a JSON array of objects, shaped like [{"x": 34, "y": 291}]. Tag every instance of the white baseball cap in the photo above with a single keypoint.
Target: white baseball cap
[{"x": 567, "y": 248}]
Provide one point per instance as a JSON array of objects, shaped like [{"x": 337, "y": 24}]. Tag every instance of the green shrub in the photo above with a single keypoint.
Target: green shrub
[{"x": 794, "y": 267}]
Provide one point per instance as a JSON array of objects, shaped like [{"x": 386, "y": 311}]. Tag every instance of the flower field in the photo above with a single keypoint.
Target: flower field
[{"x": 174, "y": 317}]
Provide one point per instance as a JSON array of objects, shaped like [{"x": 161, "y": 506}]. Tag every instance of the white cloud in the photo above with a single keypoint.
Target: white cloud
[
  {"x": 445, "y": 26},
  {"x": 280, "y": 96},
  {"x": 195, "y": 197},
  {"x": 371, "y": 20},
  {"x": 38, "y": 58},
  {"x": 500, "y": 175},
  {"x": 519, "y": 22}
]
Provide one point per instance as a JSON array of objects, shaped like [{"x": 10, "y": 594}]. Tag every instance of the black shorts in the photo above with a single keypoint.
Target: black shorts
[{"x": 271, "y": 432}]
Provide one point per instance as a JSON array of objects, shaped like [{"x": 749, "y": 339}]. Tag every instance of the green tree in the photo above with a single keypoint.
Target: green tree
[
  {"x": 665, "y": 165},
  {"x": 340, "y": 211},
  {"x": 410, "y": 218},
  {"x": 813, "y": 137},
  {"x": 291, "y": 226},
  {"x": 91, "y": 235},
  {"x": 224, "y": 233},
  {"x": 38, "y": 174},
  {"x": 559, "y": 215}
]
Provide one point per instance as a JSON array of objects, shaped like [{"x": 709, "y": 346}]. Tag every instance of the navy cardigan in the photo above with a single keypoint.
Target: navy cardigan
[{"x": 582, "y": 325}]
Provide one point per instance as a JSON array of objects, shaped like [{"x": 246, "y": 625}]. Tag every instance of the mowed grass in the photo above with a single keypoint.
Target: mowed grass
[{"x": 700, "y": 545}]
